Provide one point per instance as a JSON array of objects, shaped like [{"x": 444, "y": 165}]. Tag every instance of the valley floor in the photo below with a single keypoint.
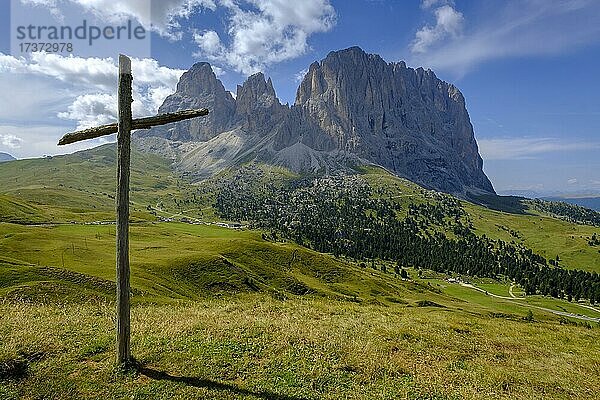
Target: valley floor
[{"x": 252, "y": 346}]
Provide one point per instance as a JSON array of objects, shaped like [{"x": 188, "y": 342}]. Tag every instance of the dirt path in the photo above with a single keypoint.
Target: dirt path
[
  {"x": 485, "y": 291},
  {"x": 511, "y": 299}
]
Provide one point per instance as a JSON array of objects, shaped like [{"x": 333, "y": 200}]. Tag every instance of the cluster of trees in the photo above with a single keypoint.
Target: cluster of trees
[
  {"x": 340, "y": 215},
  {"x": 594, "y": 240},
  {"x": 566, "y": 211}
]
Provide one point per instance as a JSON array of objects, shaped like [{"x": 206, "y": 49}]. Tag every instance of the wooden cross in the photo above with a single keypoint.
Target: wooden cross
[{"x": 124, "y": 127}]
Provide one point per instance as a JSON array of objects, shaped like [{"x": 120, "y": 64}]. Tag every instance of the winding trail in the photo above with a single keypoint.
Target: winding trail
[{"x": 511, "y": 300}]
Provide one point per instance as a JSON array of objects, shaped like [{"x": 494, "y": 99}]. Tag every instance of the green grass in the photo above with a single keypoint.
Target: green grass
[
  {"x": 560, "y": 305},
  {"x": 80, "y": 187},
  {"x": 224, "y": 314},
  {"x": 476, "y": 300},
  {"x": 255, "y": 347},
  {"x": 545, "y": 235},
  {"x": 177, "y": 261},
  {"x": 498, "y": 289}
]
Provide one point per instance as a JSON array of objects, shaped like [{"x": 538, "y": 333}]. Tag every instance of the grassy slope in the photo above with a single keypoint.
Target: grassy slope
[
  {"x": 343, "y": 332},
  {"x": 174, "y": 261},
  {"x": 545, "y": 235},
  {"x": 256, "y": 347},
  {"x": 80, "y": 186}
]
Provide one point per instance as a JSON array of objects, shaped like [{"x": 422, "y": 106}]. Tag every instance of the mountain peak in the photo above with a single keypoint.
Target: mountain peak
[
  {"x": 198, "y": 88},
  {"x": 353, "y": 54},
  {"x": 6, "y": 157},
  {"x": 255, "y": 86},
  {"x": 201, "y": 65},
  {"x": 404, "y": 119},
  {"x": 349, "y": 50},
  {"x": 257, "y": 104},
  {"x": 199, "y": 80},
  {"x": 351, "y": 108}
]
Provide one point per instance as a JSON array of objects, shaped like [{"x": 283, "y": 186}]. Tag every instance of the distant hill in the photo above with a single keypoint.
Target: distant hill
[
  {"x": 6, "y": 157},
  {"x": 588, "y": 202}
]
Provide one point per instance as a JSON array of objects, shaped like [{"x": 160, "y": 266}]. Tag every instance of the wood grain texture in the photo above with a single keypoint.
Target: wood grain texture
[
  {"x": 123, "y": 171},
  {"x": 138, "y": 123}
]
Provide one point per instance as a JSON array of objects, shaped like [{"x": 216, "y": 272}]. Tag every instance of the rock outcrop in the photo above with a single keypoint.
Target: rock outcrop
[
  {"x": 257, "y": 108},
  {"x": 351, "y": 108},
  {"x": 198, "y": 88},
  {"x": 404, "y": 119}
]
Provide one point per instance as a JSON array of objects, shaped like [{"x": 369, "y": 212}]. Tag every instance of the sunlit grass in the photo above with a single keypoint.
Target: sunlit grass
[{"x": 308, "y": 348}]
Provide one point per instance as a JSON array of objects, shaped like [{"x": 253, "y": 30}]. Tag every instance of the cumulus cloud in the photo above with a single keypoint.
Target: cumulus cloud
[
  {"x": 92, "y": 110},
  {"x": 78, "y": 76},
  {"x": 10, "y": 141},
  {"x": 209, "y": 41},
  {"x": 517, "y": 28},
  {"x": 265, "y": 32},
  {"x": 427, "y": 4},
  {"x": 257, "y": 33},
  {"x": 448, "y": 23},
  {"x": 160, "y": 16},
  {"x": 528, "y": 147},
  {"x": 51, "y": 5}
]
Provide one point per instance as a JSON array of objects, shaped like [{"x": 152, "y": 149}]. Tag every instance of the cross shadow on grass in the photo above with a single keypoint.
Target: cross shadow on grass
[{"x": 213, "y": 385}]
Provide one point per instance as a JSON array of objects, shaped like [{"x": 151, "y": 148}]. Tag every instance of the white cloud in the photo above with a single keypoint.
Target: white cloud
[
  {"x": 266, "y": 32},
  {"x": 258, "y": 33},
  {"x": 95, "y": 72},
  {"x": 42, "y": 139},
  {"x": 51, "y": 5},
  {"x": 572, "y": 181},
  {"x": 299, "y": 76},
  {"x": 92, "y": 110},
  {"x": 448, "y": 23},
  {"x": 10, "y": 141},
  {"x": 528, "y": 147},
  {"x": 518, "y": 28},
  {"x": 427, "y": 4},
  {"x": 158, "y": 15},
  {"x": 76, "y": 77},
  {"x": 209, "y": 41}
]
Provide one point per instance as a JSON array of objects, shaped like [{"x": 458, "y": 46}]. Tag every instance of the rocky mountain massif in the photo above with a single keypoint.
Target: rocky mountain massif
[{"x": 351, "y": 109}]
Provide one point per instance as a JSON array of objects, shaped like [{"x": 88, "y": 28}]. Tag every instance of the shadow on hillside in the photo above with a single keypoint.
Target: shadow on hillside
[
  {"x": 213, "y": 385},
  {"x": 509, "y": 204}
]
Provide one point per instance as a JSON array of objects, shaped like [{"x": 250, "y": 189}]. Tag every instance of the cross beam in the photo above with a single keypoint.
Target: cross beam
[
  {"x": 123, "y": 129},
  {"x": 138, "y": 123}
]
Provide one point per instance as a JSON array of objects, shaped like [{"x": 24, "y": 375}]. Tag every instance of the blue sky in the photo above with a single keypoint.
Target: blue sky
[{"x": 528, "y": 69}]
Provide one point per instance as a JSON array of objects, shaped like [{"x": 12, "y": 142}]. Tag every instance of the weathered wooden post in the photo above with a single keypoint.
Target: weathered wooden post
[
  {"x": 123, "y": 163},
  {"x": 123, "y": 128}
]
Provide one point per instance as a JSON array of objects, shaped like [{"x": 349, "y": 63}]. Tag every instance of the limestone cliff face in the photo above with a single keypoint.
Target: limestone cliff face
[
  {"x": 404, "y": 119},
  {"x": 351, "y": 108},
  {"x": 257, "y": 108},
  {"x": 198, "y": 88}
]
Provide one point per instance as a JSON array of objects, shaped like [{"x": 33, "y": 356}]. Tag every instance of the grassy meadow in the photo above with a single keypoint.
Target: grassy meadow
[
  {"x": 222, "y": 313},
  {"x": 253, "y": 346}
]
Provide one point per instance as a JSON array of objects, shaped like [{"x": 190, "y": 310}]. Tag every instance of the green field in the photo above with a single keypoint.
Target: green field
[
  {"x": 222, "y": 313},
  {"x": 547, "y": 236},
  {"x": 256, "y": 347},
  {"x": 543, "y": 234}
]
